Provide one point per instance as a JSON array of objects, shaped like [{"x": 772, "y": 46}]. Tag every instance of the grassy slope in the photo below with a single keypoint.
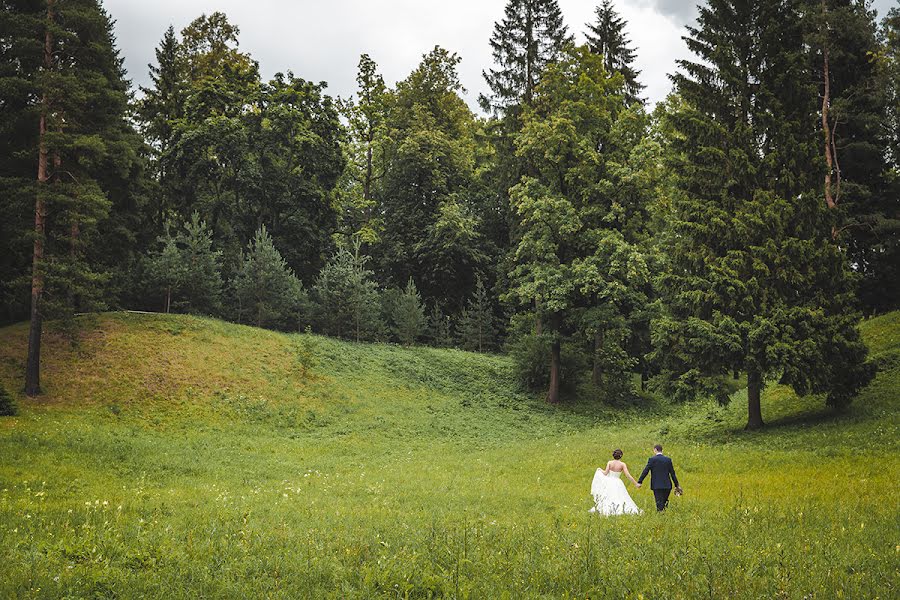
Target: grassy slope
[{"x": 174, "y": 455}]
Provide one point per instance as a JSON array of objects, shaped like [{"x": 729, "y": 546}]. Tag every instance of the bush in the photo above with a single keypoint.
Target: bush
[
  {"x": 8, "y": 406},
  {"x": 531, "y": 355}
]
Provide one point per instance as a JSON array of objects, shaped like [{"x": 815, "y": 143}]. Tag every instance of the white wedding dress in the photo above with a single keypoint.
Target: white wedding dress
[{"x": 610, "y": 495}]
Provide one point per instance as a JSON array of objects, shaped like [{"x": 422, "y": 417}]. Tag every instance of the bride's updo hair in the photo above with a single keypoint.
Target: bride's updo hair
[{"x": 617, "y": 454}]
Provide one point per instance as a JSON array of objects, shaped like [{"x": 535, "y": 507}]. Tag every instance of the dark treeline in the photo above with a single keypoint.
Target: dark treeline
[{"x": 737, "y": 230}]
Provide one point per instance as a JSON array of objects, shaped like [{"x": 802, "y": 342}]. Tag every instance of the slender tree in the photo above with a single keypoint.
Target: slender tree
[
  {"x": 165, "y": 267},
  {"x": 475, "y": 330},
  {"x": 366, "y": 150}
]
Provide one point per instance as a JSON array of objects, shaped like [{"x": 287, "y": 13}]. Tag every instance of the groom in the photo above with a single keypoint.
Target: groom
[{"x": 661, "y": 469}]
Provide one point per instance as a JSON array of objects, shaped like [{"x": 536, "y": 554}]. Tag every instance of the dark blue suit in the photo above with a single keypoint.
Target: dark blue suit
[{"x": 662, "y": 474}]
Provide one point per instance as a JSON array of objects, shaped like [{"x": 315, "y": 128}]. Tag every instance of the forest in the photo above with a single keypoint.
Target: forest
[{"x": 732, "y": 235}]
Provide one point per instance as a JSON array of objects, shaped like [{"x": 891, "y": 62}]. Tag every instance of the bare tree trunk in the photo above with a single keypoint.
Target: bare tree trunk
[
  {"x": 169, "y": 301},
  {"x": 754, "y": 391},
  {"x": 33, "y": 363}
]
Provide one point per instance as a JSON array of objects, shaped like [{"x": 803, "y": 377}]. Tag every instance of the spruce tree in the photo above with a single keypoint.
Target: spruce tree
[
  {"x": 843, "y": 43},
  {"x": 408, "y": 315},
  {"x": 755, "y": 283},
  {"x": 202, "y": 285},
  {"x": 606, "y": 36},
  {"x": 530, "y": 36},
  {"x": 347, "y": 296},
  {"x": 476, "y": 329},
  {"x": 266, "y": 288},
  {"x": 159, "y": 109},
  {"x": 438, "y": 330},
  {"x": 165, "y": 268}
]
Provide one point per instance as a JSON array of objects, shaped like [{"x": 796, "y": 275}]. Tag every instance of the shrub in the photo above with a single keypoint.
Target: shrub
[
  {"x": 8, "y": 406},
  {"x": 531, "y": 354}
]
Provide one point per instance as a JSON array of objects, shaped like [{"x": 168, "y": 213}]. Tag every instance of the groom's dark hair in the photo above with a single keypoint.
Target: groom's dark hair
[{"x": 658, "y": 447}]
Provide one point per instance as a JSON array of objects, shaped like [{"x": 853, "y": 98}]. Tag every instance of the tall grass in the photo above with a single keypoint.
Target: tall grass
[{"x": 183, "y": 457}]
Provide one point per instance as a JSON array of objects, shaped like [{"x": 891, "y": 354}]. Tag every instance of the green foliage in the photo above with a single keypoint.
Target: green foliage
[
  {"x": 606, "y": 37},
  {"x": 267, "y": 291},
  {"x": 754, "y": 282},
  {"x": 430, "y": 229},
  {"x": 186, "y": 269},
  {"x": 438, "y": 332},
  {"x": 240, "y": 151},
  {"x": 530, "y": 37},
  {"x": 165, "y": 268},
  {"x": 366, "y": 149},
  {"x": 8, "y": 406},
  {"x": 407, "y": 315},
  {"x": 90, "y": 151},
  {"x": 202, "y": 285},
  {"x": 581, "y": 215},
  {"x": 530, "y": 354},
  {"x": 475, "y": 328},
  {"x": 347, "y": 297},
  {"x": 867, "y": 221}
]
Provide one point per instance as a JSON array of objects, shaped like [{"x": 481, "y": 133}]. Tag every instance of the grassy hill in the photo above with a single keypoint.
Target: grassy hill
[{"x": 176, "y": 456}]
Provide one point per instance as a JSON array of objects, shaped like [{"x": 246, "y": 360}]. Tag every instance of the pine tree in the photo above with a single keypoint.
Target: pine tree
[
  {"x": 476, "y": 329},
  {"x": 755, "y": 283},
  {"x": 68, "y": 91},
  {"x": 165, "y": 267},
  {"x": 347, "y": 296},
  {"x": 606, "y": 36},
  {"x": 266, "y": 288},
  {"x": 408, "y": 315},
  {"x": 438, "y": 330},
  {"x": 530, "y": 36},
  {"x": 202, "y": 285}
]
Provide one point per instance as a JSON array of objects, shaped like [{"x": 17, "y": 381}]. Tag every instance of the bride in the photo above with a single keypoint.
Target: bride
[{"x": 608, "y": 489}]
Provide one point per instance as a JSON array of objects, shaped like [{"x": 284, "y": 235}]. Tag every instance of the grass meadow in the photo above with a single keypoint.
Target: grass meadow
[{"x": 182, "y": 457}]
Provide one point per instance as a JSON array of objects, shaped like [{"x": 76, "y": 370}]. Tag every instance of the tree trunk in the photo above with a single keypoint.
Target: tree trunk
[
  {"x": 596, "y": 374},
  {"x": 169, "y": 301},
  {"x": 754, "y": 391},
  {"x": 33, "y": 363},
  {"x": 826, "y": 102},
  {"x": 553, "y": 392}
]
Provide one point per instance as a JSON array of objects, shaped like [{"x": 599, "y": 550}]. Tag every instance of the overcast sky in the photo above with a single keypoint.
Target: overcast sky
[{"x": 321, "y": 40}]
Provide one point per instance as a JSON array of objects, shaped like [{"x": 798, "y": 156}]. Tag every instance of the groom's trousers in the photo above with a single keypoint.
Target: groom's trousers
[{"x": 662, "y": 499}]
